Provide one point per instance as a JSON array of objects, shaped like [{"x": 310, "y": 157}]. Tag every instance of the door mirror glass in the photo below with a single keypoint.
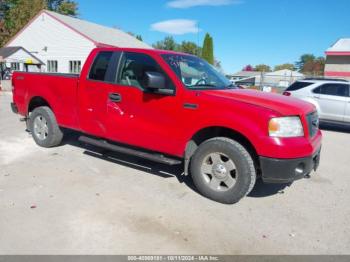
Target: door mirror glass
[{"x": 154, "y": 80}]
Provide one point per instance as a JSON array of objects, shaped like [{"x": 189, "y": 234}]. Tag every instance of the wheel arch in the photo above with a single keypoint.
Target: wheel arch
[
  {"x": 37, "y": 101},
  {"x": 218, "y": 131}
]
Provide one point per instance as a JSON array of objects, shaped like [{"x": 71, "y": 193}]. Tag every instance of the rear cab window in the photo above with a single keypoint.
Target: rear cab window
[
  {"x": 298, "y": 85},
  {"x": 104, "y": 67}
]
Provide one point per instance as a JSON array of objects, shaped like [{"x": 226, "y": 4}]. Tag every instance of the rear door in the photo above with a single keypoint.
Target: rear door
[
  {"x": 333, "y": 98},
  {"x": 94, "y": 93}
]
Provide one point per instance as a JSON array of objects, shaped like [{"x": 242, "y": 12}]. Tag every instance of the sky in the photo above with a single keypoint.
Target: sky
[{"x": 244, "y": 31}]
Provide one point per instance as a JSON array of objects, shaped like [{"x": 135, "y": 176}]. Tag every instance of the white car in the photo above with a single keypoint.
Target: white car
[{"x": 330, "y": 96}]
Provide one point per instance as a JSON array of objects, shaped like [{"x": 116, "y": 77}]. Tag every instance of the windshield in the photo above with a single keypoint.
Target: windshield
[{"x": 196, "y": 73}]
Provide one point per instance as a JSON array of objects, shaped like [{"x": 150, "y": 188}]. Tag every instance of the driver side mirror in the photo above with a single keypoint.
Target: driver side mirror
[
  {"x": 156, "y": 83},
  {"x": 154, "y": 80}
]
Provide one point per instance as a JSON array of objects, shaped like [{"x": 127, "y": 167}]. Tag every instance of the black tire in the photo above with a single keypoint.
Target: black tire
[
  {"x": 53, "y": 135},
  {"x": 244, "y": 173}
]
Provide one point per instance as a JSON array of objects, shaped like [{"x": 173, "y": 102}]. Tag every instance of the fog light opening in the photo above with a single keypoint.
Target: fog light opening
[{"x": 299, "y": 170}]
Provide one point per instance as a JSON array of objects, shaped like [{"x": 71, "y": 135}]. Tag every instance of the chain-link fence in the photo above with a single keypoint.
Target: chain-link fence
[{"x": 275, "y": 82}]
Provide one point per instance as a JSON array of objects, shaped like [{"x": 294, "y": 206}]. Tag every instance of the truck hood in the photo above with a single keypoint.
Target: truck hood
[{"x": 278, "y": 103}]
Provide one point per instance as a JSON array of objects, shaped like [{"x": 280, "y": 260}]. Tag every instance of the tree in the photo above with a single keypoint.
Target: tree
[
  {"x": 287, "y": 66},
  {"x": 208, "y": 49},
  {"x": 319, "y": 66},
  {"x": 248, "y": 68},
  {"x": 303, "y": 60},
  {"x": 18, "y": 14},
  {"x": 15, "y": 14},
  {"x": 262, "y": 68},
  {"x": 309, "y": 64},
  {"x": 217, "y": 65},
  {"x": 314, "y": 67},
  {"x": 139, "y": 37},
  {"x": 68, "y": 8},
  {"x": 189, "y": 48},
  {"x": 167, "y": 44}
]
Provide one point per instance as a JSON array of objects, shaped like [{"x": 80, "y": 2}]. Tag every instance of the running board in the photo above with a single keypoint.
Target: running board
[{"x": 156, "y": 157}]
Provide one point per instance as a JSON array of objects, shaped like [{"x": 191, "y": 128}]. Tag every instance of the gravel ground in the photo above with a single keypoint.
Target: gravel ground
[{"x": 75, "y": 200}]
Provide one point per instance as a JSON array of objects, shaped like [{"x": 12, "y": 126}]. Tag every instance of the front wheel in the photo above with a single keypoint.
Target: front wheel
[
  {"x": 223, "y": 170},
  {"x": 44, "y": 127}
]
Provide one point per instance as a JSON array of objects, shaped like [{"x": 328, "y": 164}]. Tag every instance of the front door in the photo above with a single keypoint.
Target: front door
[{"x": 140, "y": 117}]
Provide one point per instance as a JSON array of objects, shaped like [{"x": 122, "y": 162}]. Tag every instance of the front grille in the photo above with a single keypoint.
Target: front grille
[{"x": 313, "y": 123}]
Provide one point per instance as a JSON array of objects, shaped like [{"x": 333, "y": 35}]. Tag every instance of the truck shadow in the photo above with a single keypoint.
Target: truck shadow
[
  {"x": 165, "y": 171},
  {"x": 265, "y": 190}
]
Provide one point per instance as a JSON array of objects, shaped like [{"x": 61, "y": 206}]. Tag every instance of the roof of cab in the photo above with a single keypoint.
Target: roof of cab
[{"x": 143, "y": 50}]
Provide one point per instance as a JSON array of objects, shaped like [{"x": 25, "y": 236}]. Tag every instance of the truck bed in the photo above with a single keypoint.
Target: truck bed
[{"x": 59, "y": 90}]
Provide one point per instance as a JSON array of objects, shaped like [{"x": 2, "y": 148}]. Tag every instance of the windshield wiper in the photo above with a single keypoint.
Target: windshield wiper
[{"x": 231, "y": 86}]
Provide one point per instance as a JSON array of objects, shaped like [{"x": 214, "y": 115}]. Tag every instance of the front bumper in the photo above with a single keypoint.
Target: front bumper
[
  {"x": 288, "y": 170},
  {"x": 14, "y": 108}
]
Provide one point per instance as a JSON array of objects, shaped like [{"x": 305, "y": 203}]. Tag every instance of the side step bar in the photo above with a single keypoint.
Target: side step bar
[{"x": 156, "y": 157}]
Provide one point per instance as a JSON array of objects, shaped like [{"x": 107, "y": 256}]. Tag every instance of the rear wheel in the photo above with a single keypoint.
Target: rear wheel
[
  {"x": 223, "y": 170},
  {"x": 44, "y": 127}
]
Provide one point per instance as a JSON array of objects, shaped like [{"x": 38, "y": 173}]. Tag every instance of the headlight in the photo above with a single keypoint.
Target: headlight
[{"x": 286, "y": 127}]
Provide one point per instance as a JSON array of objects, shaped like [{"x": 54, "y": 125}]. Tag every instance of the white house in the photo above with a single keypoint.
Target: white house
[
  {"x": 18, "y": 58},
  {"x": 63, "y": 43}
]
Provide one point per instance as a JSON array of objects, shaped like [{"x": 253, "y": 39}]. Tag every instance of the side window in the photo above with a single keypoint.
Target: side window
[
  {"x": 317, "y": 90},
  {"x": 298, "y": 85},
  {"x": 99, "y": 68},
  {"x": 333, "y": 90},
  {"x": 134, "y": 67}
]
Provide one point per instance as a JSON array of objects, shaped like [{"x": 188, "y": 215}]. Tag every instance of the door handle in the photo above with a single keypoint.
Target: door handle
[{"x": 114, "y": 97}]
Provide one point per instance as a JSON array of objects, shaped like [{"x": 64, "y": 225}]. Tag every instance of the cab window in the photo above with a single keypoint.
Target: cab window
[
  {"x": 133, "y": 69},
  {"x": 99, "y": 68}
]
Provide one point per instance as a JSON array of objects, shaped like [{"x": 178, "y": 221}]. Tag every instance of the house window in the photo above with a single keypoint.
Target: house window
[
  {"x": 15, "y": 67},
  {"x": 52, "y": 66},
  {"x": 74, "y": 67}
]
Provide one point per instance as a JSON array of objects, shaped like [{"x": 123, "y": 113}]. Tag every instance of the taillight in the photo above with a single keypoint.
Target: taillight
[{"x": 285, "y": 93}]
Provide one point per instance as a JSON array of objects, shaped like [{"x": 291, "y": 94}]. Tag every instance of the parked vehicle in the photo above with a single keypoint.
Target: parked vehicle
[
  {"x": 331, "y": 97},
  {"x": 5, "y": 72},
  {"x": 171, "y": 108}
]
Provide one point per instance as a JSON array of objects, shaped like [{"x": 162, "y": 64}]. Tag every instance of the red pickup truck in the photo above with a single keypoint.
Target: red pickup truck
[{"x": 174, "y": 108}]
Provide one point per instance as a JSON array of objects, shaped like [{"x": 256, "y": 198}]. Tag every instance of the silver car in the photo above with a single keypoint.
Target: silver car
[{"x": 330, "y": 96}]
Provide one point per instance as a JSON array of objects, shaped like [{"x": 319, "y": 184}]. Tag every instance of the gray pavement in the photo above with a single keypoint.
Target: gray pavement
[{"x": 76, "y": 200}]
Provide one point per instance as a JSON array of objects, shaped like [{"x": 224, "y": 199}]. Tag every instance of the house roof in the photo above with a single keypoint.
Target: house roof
[
  {"x": 247, "y": 73},
  {"x": 10, "y": 50},
  {"x": 341, "y": 47},
  {"x": 100, "y": 35},
  {"x": 7, "y": 51},
  {"x": 284, "y": 72}
]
